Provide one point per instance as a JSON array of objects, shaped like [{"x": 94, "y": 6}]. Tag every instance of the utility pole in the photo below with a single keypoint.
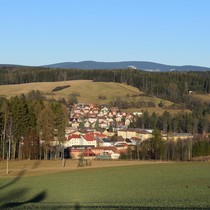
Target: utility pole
[
  {"x": 63, "y": 161},
  {"x": 8, "y": 157},
  {"x": 7, "y": 168}
]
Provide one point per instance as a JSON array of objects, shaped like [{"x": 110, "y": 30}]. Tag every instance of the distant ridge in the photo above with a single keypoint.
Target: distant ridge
[{"x": 142, "y": 65}]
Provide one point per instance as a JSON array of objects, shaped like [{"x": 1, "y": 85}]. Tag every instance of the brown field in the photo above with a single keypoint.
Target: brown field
[
  {"x": 41, "y": 167},
  {"x": 88, "y": 92},
  {"x": 201, "y": 97},
  {"x": 157, "y": 110}
]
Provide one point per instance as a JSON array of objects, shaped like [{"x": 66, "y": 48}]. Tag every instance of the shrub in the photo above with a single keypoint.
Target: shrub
[
  {"x": 102, "y": 97},
  {"x": 58, "y": 88}
]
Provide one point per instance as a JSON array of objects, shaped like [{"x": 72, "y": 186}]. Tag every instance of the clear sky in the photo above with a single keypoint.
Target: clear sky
[{"x": 38, "y": 32}]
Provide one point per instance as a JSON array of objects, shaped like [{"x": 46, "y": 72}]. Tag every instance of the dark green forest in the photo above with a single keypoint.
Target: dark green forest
[
  {"x": 29, "y": 125},
  {"x": 29, "y": 116},
  {"x": 174, "y": 86}
]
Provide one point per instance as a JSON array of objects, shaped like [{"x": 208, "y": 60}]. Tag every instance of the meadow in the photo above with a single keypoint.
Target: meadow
[
  {"x": 148, "y": 185},
  {"x": 88, "y": 91}
]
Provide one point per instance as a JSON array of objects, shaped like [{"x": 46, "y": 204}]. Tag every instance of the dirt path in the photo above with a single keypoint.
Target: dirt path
[{"x": 40, "y": 167}]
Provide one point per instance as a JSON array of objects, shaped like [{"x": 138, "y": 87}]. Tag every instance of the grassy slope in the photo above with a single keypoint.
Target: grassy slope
[
  {"x": 157, "y": 185},
  {"x": 87, "y": 90},
  {"x": 201, "y": 97}
]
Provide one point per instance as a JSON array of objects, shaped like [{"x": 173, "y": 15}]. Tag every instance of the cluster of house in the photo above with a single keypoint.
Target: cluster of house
[
  {"x": 94, "y": 144},
  {"x": 89, "y": 132},
  {"x": 109, "y": 145},
  {"x": 91, "y": 116}
]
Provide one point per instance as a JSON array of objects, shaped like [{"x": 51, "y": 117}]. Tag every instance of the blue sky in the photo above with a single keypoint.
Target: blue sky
[{"x": 38, "y": 32}]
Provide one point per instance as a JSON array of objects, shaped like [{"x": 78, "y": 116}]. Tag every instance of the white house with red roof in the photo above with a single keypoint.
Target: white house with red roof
[
  {"x": 86, "y": 140},
  {"x": 89, "y": 140},
  {"x": 72, "y": 140},
  {"x": 113, "y": 152}
]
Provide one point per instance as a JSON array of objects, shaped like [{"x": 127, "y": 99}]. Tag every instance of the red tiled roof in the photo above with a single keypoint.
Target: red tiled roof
[
  {"x": 89, "y": 136},
  {"x": 88, "y": 152},
  {"x": 113, "y": 148},
  {"x": 143, "y": 132},
  {"x": 100, "y": 135},
  {"x": 105, "y": 148},
  {"x": 76, "y": 136},
  {"x": 122, "y": 144},
  {"x": 103, "y": 122},
  {"x": 75, "y": 150},
  {"x": 135, "y": 138}
]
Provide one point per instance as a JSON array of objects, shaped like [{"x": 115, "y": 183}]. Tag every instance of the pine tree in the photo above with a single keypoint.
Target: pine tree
[
  {"x": 60, "y": 113},
  {"x": 46, "y": 127}
]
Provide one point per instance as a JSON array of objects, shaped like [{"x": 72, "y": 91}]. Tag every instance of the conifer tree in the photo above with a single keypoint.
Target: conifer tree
[{"x": 46, "y": 126}]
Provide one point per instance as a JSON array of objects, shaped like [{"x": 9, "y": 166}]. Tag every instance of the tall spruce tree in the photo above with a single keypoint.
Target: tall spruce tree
[
  {"x": 61, "y": 117},
  {"x": 46, "y": 126}
]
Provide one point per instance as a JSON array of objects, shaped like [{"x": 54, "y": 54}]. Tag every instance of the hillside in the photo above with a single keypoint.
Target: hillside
[
  {"x": 140, "y": 65},
  {"x": 88, "y": 92},
  {"x": 143, "y": 65}
]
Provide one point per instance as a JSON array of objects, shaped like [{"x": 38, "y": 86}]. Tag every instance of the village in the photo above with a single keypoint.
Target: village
[{"x": 103, "y": 132}]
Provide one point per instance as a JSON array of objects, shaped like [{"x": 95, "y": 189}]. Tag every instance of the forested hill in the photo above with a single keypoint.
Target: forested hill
[
  {"x": 143, "y": 65},
  {"x": 170, "y": 85},
  {"x": 178, "y": 87},
  {"x": 140, "y": 65}
]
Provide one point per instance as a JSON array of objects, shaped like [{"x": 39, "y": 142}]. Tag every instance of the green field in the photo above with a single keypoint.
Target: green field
[{"x": 169, "y": 185}]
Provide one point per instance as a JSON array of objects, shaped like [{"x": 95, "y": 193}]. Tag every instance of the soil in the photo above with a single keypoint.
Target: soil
[{"x": 41, "y": 167}]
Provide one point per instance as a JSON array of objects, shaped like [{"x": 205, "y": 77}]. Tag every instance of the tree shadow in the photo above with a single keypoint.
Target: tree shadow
[
  {"x": 13, "y": 181},
  {"x": 35, "y": 165},
  {"x": 18, "y": 194},
  {"x": 36, "y": 199},
  {"x": 19, "y": 175}
]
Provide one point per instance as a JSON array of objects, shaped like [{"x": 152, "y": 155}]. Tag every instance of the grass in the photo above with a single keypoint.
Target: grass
[
  {"x": 201, "y": 97},
  {"x": 87, "y": 89},
  {"x": 157, "y": 110},
  {"x": 88, "y": 92},
  {"x": 169, "y": 185}
]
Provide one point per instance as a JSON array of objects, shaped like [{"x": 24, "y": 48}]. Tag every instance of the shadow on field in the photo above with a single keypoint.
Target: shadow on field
[
  {"x": 34, "y": 166},
  {"x": 16, "y": 179},
  {"x": 7, "y": 197}
]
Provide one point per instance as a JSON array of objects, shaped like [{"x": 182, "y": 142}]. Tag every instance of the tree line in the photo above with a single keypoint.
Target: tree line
[
  {"x": 182, "y": 122},
  {"x": 28, "y": 125},
  {"x": 158, "y": 149}
]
